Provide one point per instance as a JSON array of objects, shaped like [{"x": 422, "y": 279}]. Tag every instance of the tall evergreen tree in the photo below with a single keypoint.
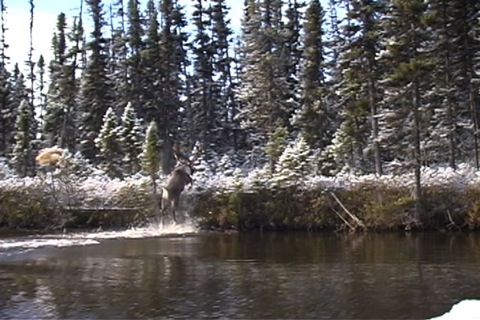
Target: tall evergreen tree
[
  {"x": 55, "y": 106},
  {"x": 204, "y": 107},
  {"x": 30, "y": 62},
  {"x": 360, "y": 147},
  {"x": 41, "y": 87},
  {"x": 150, "y": 158},
  {"x": 313, "y": 118},
  {"x": 264, "y": 87},
  {"x": 408, "y": 78},
  {"x": 118, "y": 69},
  {"x": 108, "y": 144},
  {"x": 134, "y": 35},
  {"x": 131, "y": 137},
  {"x": 6, "y": 113},
  {"x": 23, "y": 153},
  {"x": 222, "y": 65},
  {"x": 175, "y": 98},
  {"x": 95, "y": 87},
  {"x": 76, "y": 53}
]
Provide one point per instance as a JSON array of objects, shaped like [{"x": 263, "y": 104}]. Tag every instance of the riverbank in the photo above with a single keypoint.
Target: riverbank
[
  {"x": 363, "y": 208},
  {"x": 368, "y": 206}
]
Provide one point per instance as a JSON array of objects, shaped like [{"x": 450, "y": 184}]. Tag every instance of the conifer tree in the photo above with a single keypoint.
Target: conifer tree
[
  {"x": 76, "y": 56},
  {"x": 222, "y": 64},
  {"x": 30, "y": 62},
  {"x": 134, "y": 36},
  {"x": 23, "y": 153},
  {"x": 264, "y": 87},
  {"x": 359, "y": 88},
  {"x": 41, "y": 87},
  {"x": 6, "y": 114},
  {"x": 204, "y": 103},
  {"x": 173, "y": 66},
  {"x": 150, "y": 158},
  {"x": 19, "y": 95},
  {"x": 313, "y": 118},
  {"x": 294, "y": 163},
  {"x": 151, "y": 108},
  {"x": 118, "y": 70},
  {"x": 407, "y": 79},
  {"x": 465, "y": 46},
  {"x": 56, "y": 105},
  {"x": 131, "y": 137},
  {"x": 108, "y": 144},
  {"x": 95, "y": 87}
]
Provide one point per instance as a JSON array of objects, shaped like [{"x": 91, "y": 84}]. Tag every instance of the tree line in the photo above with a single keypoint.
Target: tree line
[{"x": 357, "y": 85}]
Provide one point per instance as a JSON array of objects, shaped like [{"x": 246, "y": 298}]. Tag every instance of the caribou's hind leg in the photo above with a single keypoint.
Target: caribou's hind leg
[
  {"x": 174, "y": 209},
  {"x": 164, "y": 204}
]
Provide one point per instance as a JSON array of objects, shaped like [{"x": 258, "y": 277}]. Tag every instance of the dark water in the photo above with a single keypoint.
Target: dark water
[{"x": 270, "y": 275}]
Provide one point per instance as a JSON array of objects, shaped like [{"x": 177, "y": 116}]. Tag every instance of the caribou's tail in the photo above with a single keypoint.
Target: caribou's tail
[{"x": 165, "y": 198}]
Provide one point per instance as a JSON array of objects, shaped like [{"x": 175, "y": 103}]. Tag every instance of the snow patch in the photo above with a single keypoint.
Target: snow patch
[{"x": 465, "y": 310}]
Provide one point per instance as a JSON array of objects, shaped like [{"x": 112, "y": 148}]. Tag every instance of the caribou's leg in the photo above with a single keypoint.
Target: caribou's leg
[
  {"x": 174, "y": 208},
  {"x": 164, "y": 204}
]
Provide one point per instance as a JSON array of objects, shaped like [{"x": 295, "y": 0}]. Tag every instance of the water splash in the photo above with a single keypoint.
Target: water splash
[{"x": 15, "y": 245}]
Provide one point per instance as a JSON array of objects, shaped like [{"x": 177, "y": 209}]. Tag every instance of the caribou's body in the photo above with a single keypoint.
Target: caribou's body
[{"x": 180, "y": 177}]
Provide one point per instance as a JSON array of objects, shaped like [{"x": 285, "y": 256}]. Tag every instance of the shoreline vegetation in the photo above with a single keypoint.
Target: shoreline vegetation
[
  {"x": 59, "y": 198},
  {"x": 376, "y": 204}
]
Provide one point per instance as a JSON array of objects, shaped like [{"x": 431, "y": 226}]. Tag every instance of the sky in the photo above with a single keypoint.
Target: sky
[{"x": 45, "y": 17}]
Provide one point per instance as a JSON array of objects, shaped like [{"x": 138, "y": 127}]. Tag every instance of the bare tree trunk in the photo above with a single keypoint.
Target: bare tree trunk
[
  {"x": 416, "y": 150},
  {"x": 31, "y": 64}
]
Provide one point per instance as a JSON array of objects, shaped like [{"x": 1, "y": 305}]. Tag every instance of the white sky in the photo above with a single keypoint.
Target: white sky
[{"x": 45, "y": 17}]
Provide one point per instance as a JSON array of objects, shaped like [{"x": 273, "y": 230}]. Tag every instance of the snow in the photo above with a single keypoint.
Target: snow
[
  {"x": 466, "y": 310},
  {"x": 229, "y": 178}
]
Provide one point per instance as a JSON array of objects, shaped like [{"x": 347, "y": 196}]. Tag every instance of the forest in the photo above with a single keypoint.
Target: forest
[{"x": 314, "y": 87}]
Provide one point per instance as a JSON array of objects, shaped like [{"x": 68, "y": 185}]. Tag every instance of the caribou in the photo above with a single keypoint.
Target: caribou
[{"x": 179, "y": 178}]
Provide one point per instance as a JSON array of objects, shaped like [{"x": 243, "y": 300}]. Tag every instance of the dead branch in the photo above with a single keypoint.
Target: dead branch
[{"x": 357, "y": 221}]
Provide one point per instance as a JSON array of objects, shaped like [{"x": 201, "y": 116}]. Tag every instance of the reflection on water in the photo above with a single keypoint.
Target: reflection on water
[{"x": 270, "y": 275}]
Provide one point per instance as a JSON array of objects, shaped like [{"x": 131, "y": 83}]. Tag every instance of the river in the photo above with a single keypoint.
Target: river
[{"x": 183, "y": 273}]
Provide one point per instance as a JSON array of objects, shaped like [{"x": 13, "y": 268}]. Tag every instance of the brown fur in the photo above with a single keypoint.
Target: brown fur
[{"x": 175, "y": 186}]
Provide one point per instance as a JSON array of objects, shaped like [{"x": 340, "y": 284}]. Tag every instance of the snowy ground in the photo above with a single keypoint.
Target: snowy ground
[{"x": 98, "y": 184}]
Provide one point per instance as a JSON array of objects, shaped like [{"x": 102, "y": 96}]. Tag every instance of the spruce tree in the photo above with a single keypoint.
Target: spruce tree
[
  {"x": 227, "y": 136},
  {"x": 150, "y": 158},
  {"x": 134, "y": 37},
  {"x": 264, "y": 89},
  {"x": 360, "y": 88},
  {"x": 53, "y": 116},
  {"x": 7, "y": 120},
  {"x": 174, "y": 96},
  {"x": 23, "y": 153},
  {"x": 131, "y": 137},
  {"x": 117, "y": 63},
  {"x": 95, "y": 87},
  {"x": 294, "y": 163},
  {"x": 108, "y": 144},
  {"x": 204, "y": 103},
  {"x": 41, "y": 87},
  {"x": 313, "y": 118},
  {"x": 407, "y": 79},
  {"x": 30, "y": 62}
]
